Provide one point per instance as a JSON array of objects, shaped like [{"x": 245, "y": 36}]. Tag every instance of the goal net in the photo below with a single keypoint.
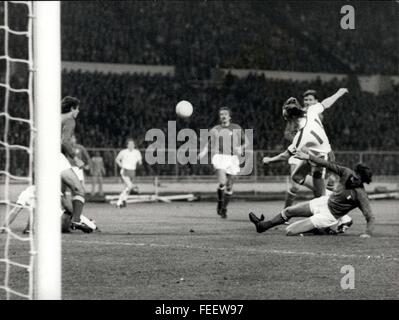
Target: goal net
[{"x": 30, "y": 262}]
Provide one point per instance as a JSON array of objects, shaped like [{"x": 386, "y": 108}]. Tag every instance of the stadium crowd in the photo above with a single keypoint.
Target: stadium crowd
[
  {"x": 117, "y": 106},
  {"x": 114, "y": 107},
  {"x": 252, "y": 35},
  {"x": 296, "y": 35}
]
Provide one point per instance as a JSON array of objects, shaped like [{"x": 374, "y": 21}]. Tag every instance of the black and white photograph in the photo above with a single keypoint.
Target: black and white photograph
[{"x": 199, "y": 154}]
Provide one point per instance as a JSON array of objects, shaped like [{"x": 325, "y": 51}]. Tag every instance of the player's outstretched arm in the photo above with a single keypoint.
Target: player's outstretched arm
[
  {"x": 280, "y": 157},
  {"x": 302, "y": 155},
  {"x": 365, "y": 208},
  {"x": 328, "y": 102}
]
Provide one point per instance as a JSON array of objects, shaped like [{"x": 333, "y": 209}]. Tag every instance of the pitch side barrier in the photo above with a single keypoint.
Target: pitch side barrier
[{"x": 383, "y": 163}]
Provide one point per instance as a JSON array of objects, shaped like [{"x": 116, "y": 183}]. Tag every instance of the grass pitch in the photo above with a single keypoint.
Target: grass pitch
[{"x": 185, "y": 251}]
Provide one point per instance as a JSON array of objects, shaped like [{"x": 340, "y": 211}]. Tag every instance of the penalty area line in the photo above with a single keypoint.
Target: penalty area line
[{"x": 240, "y": 249}]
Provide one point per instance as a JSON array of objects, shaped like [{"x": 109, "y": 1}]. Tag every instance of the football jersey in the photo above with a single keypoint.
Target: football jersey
[
  {"x": 311, "y": 133},
  {"x": 226, "y": 139},
  {"x": 67, "y": 131},
  {"x": 81, "y": 153},
  {"x": 129, "y": 159},
  {"x": 345, "y": 199},
  {"x": 348, "y": 194}
]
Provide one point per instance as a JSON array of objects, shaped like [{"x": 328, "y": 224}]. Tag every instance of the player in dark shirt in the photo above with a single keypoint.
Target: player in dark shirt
[
  {"x": 227, "y": 143},
  {"x": 324, "y": 212},
  {"x": 69, "y": 111}
]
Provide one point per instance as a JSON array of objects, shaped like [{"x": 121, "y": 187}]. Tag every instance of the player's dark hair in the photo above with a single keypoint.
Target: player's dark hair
[
  {"x": 225, "y": 108},
  {"x": 129, "y": 139},
  {"x": 310, "y": 92},
  {"x": 364, "y": 172},
  {"x": 292, "y": 109},
  {"x": 69, "y": 103}
]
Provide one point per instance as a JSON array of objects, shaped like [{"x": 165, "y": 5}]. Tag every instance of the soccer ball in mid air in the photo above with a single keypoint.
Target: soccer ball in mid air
[{"x": 184, "y": 109}]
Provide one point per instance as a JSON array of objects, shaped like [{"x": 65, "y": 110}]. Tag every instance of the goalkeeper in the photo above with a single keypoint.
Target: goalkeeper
[{"x": 325, "y": 211}]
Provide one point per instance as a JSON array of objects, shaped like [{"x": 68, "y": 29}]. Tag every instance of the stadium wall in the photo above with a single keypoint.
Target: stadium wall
[{"x": 118, "y": 68}]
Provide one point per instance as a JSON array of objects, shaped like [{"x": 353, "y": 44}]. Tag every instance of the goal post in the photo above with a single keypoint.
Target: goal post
[{"x": 47, "y": 119}]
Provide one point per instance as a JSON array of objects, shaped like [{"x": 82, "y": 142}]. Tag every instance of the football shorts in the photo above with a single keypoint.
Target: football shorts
[
  {"x": 128, "y": 173},
  {"x": 63, "y": 163},
  {"x": 322, "y": 217},
  {"x": 293, "y": 161},
  {"x": 79, "y": 172},
  {"x": 226, "y": 162}
]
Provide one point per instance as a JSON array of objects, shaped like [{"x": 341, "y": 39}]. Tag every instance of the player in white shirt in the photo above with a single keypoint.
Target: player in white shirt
[
  {"x": 292, "y": 127},
  {"x": 310, "y": 136},
  {"x": 127, "y": 160},
  {"x": 27, "y": 200}
]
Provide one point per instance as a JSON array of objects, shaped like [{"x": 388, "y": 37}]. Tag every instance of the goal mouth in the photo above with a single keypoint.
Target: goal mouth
[{"x": 30, "y": 78}]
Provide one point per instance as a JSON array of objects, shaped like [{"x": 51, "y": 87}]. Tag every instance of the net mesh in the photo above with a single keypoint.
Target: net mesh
[{"x": 16, "y": 145}]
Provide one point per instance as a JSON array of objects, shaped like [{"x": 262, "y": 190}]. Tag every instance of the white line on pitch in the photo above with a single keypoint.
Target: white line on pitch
[{"x": 252, "y": 250}]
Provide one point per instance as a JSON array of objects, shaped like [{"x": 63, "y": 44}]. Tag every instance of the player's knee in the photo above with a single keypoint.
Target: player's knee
[
  {"x": 78, "y": 197},
  {"x": 222, "y": 178},
  {"x": 221, "y": 186},
  {"x": 298, "y": 178},
  {"x": 78, "y": 193}
]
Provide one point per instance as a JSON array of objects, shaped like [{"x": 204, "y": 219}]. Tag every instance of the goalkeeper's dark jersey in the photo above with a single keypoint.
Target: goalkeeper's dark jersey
[{"x": 348, "y": 194}]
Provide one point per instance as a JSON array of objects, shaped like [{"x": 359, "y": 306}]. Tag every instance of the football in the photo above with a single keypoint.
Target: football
[{"x": 184, "y": 109}]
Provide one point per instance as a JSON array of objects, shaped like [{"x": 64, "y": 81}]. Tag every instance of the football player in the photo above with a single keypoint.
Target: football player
[
  {"x": 69, "y": 179},
  {"x": 324, "y": 212},
  {"x": 128, "y": 159},
  {"x": 311, "y": 134},
  {"x": 228, "y": 141},
  {"x": 291, "y": 129}
]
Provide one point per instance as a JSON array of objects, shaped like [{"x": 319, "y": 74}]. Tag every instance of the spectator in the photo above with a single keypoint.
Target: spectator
[{"x": 97, "y": 172}]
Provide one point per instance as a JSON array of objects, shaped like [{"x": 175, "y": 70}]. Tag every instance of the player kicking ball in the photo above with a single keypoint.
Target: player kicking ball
[
  {"x": 324, "y": 212},
  {"x": 228, "y": 141},
  {"x": 128, "y": 159},
  {"x": 311, "y": 134},
  {"x": 309, "y": 98}
]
